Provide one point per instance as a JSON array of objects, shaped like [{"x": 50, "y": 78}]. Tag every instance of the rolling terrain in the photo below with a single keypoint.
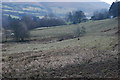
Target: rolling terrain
[
  {"x": 54, "y": 52},
  {"x": 41, "y": 9}
]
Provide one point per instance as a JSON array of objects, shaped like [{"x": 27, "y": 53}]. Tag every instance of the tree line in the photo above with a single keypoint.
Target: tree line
[
  {"x": 22, "y": 26},
  {"x": 79, "y": 16},
  {"x": 114, "y": 11}
]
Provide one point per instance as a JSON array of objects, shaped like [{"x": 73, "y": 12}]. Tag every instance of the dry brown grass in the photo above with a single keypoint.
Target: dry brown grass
[{"x": 67, "y": 62}]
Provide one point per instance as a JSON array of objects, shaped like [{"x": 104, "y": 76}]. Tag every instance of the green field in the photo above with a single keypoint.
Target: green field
[{"x": 47, "y": 55}]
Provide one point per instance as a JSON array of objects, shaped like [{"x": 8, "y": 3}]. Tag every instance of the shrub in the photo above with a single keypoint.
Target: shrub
[{"x": 80, "y": 31}]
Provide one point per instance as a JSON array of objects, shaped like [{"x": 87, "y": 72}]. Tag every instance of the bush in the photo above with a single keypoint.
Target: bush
[{"x": 80, "y": 31}]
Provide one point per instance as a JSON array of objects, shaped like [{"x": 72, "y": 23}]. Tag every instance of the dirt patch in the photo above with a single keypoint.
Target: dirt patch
[
  {"x": 52, "y": 39},
  {"x": 109, "y": 29}
]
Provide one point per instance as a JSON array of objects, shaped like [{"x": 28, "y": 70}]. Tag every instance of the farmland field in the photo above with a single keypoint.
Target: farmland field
[{"x": 54, "y": 52}]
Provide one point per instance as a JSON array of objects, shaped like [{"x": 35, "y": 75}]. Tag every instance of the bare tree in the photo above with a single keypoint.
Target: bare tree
[
  {"x": 20, "y": 30},
  {"x": 23, "y": 33}
]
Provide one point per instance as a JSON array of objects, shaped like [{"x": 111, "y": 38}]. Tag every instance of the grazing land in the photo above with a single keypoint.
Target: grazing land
[{"x": 55, "y": 52}]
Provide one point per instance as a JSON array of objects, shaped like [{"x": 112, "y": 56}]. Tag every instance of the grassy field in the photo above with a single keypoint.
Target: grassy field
[
  {"x": 93, "y": 28},
  {"x": 44, "y": 38},
  {"x": 94, "y": 55}
]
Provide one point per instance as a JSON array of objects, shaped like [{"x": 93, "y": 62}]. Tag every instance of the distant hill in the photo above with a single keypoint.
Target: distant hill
[{"x": 17, "y": 9}]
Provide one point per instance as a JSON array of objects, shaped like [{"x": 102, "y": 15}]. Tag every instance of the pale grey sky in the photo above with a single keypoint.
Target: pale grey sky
[{"x": 108, "y": 1}]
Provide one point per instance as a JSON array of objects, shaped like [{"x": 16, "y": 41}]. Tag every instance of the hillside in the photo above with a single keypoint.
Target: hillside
[
  {"x": 94, "y": 55},
  {"x": 17, "y": 9},
  {"x": 51, "y": 35}
]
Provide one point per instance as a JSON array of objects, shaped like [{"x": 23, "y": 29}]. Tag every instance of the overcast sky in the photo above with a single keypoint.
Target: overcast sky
[{"x": 108, "y": 1}]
